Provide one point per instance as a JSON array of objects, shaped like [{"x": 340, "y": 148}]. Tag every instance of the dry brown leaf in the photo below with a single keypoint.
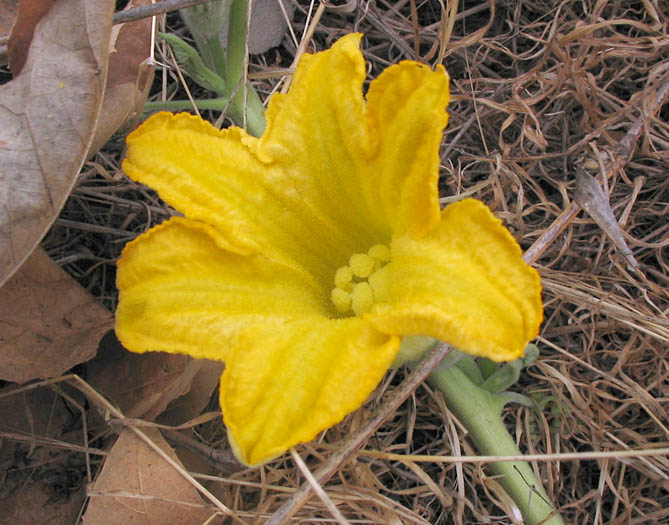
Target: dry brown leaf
[
  {"x": 48, "y": 323},
  {"x": 40, "y": 483},
  {"x": 129, "y": 76},
  {"x": 141, "y": 385},
  {"x": 137, "y": 486},
  {"x": 192, "y": 404},
  {"x": 48, "y": 114}
]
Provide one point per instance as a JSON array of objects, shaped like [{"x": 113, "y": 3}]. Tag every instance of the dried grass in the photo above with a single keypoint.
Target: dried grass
[{"x": 536, "y": 85}]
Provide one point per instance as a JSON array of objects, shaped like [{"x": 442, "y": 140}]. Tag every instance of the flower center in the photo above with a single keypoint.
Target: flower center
[{"x": 362, "y": 282}]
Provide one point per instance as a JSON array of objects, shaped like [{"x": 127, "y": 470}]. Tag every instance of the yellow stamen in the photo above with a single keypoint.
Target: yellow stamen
[
  {"x": 362, "y": 265},
  {"x": 362, "y": 298},
  {"x": 363, "y": 282},
  {"x": 341, "y": 300},
  {"x": 380, "y": 252},
  {"x": 343, "y": 278},
  {"x": 380, "y": 283}
]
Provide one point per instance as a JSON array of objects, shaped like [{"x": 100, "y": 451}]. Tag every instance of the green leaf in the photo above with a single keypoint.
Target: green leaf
[
  {"x": 470, "y": 367},
  {"x": 504, "y": 377},
  {"x": 487, "y": 366},
  {"x": 508, "y": 374},
  {"x": 191, "y": 62}
]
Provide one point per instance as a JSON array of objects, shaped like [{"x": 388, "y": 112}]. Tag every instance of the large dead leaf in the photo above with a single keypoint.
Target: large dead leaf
[
  {"x": 141, "y": 385},
  {"x": 48, "y": 114},
  {"x": 129, "y": 70},
  {"x": 41, "y": 483},
  {"x": 48, "y": 323},
  {"x": 137, "y": 486}
]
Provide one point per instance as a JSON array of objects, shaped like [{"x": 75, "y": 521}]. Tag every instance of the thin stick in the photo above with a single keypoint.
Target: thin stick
[
  {"x": 183, "y": 80},
  {"x": 357, "y": 440},
  {"x": 144, "y": 11},
  {"x": 317, "y": 488},
  {"x": 449, "y": 11},
  {"x": 48, "y": 442},
  {"x": 558, "y": 456},
  {"x": 304, "y": 43},
  {"x": 416, "y": 30},
  {"x": 548, "y": 237}
]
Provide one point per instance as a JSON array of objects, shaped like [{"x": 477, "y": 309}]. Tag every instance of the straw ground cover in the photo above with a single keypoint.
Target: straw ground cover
[{"x": 543, "y": 93}]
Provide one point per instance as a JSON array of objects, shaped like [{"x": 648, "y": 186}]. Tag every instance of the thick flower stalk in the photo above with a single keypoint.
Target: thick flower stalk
[{"x": 305, "y": 256}]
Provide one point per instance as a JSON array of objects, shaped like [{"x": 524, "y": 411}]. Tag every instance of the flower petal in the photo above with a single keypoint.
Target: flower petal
[
  {"x": 182, "y": 291},
  {"x": 406, "y": 111},
  {"x": 372, "y": 167},
  {"x": 202, "y": 172},
  {"x": 285, "y": 382},
  {"x": 214, "y": 176},
  {"x": 317, "y": 133},
  {"x": 465, "y": 284}
]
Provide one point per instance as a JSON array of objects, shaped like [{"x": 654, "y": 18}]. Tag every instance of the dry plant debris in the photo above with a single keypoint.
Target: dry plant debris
[
  {"x": 43, "y": 481},
  {"x": 537, "y": 86}
]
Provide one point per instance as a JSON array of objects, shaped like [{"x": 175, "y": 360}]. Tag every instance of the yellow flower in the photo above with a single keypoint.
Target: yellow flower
[{"x": 305, "y": 255}]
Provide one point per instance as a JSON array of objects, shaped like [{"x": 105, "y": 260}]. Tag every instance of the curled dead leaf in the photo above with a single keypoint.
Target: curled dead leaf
[
  {"x": 593, "y": 200},
  {"x": 129, "y": 76}
]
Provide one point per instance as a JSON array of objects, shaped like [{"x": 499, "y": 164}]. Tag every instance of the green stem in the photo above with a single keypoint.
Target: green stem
[
  {"x": 205, "y": 22},
  {"x": 216, "y": 104},
  {"x": 478, "y": 410},
  {"x": 236, "y": 54},
  {"x": 216, "y": 55}
]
